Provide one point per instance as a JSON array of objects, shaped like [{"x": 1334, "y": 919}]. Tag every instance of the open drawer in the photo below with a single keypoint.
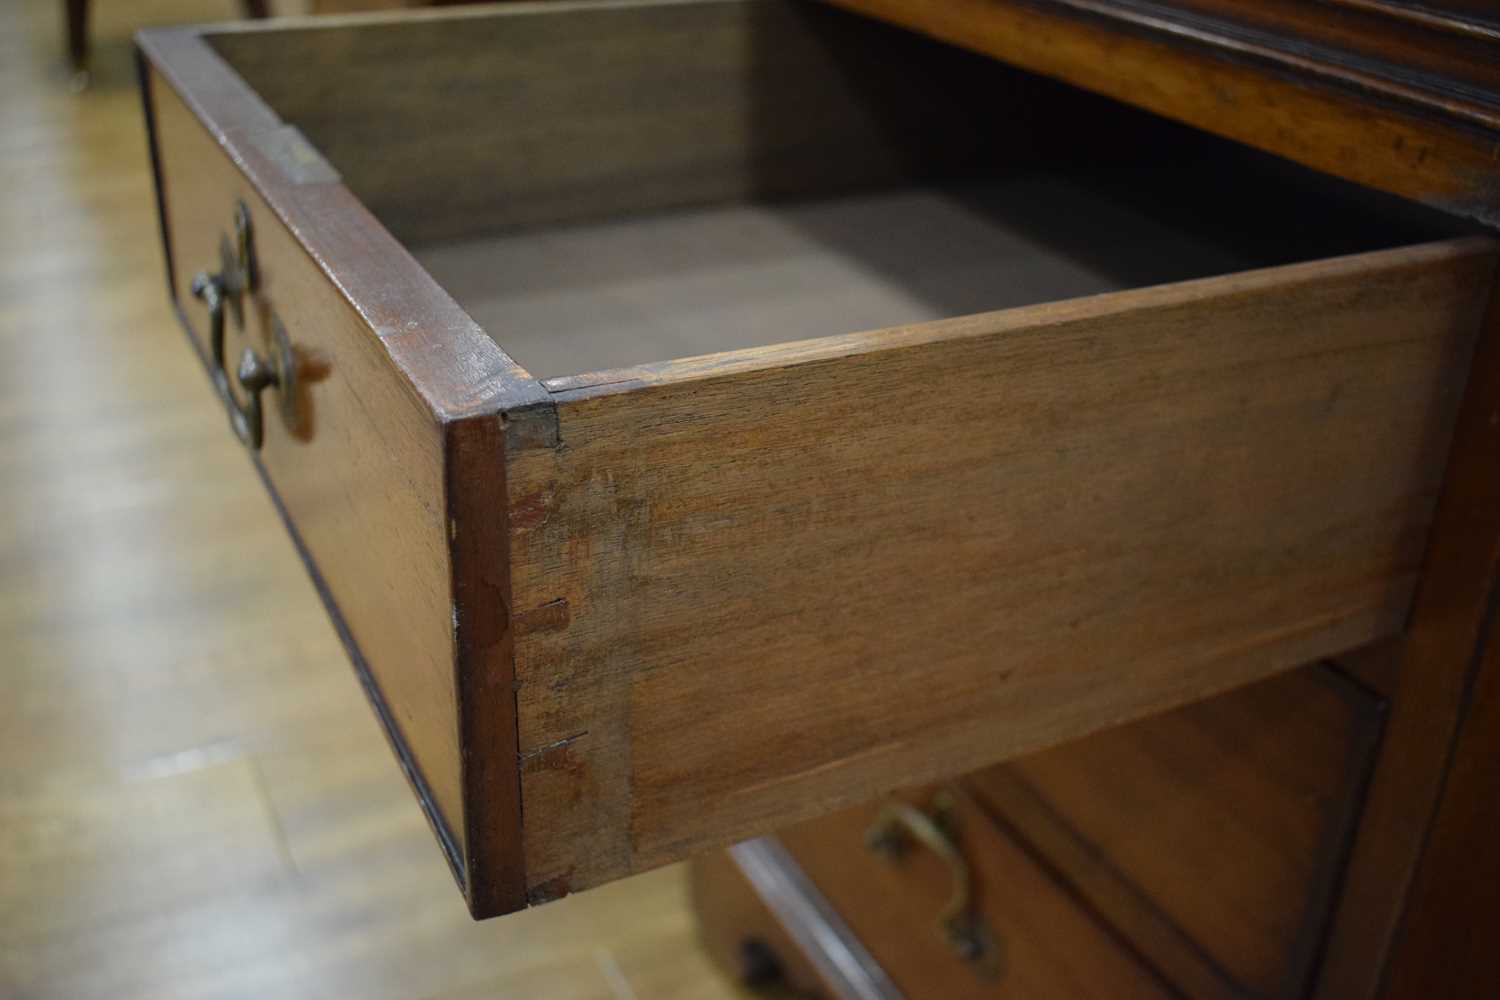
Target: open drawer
[{"x": 1135, "y": 416}]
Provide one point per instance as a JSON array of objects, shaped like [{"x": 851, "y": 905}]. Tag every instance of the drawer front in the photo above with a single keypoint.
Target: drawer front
[
  {"x": 1212, "y": 837},
  {"x": 383, "y": 459},
  {"x": 1018, "y": 932},
  {"x": 360, "y": 473}
]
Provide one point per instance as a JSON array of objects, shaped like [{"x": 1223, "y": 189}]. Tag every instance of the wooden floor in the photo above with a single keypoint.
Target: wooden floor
[{"x": 195, "y": 800}]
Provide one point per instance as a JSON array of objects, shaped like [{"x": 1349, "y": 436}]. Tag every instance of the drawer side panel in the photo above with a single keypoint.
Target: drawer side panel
[{"x": 752, "y": 588}]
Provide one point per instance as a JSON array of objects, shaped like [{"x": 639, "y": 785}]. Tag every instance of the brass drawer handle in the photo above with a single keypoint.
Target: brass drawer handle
[
  {"x": 898, "y": 826},
  {"x": 222, "y": 292}
]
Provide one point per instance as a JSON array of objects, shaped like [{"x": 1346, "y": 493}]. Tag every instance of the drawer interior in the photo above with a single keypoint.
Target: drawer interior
[
  {"x": 646, "y": 288},
  {"x": 607, "y": 186}
]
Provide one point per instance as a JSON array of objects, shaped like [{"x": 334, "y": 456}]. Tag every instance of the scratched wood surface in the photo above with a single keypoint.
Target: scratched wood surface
[
  {"x": 754, "y": 586},
  {"x": 196, "y": 799}
]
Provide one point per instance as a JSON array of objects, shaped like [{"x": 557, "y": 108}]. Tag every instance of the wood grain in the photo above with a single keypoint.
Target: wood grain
[
  {"x": 1211, "y": 837},
  {"x": 1139, "y": 499},
  {"x": 1268, "y": 96}
]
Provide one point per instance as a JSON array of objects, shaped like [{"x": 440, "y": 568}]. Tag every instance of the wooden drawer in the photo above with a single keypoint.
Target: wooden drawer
[
  {"x": 835, "y": 918},
  {"x": 1114, "y": 441}
]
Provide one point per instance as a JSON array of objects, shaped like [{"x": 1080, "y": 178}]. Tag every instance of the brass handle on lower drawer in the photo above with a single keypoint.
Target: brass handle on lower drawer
[
  {"x": 895, "y": 829},
  {"x": 221, "y": 292}
]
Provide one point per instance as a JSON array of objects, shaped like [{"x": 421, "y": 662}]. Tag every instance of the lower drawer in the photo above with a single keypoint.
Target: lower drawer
[
  {"x": 865, "y": 905},
  {"x": 1194, "y": 852}
]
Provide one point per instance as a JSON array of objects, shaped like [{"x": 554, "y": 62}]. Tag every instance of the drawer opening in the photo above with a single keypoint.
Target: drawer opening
[
  {"x": 603, "y": 186},
  {"x": 642, "y": 289}
]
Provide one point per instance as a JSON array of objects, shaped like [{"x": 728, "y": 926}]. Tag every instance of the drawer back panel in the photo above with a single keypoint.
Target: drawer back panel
[{"x": 464, "y": 125}]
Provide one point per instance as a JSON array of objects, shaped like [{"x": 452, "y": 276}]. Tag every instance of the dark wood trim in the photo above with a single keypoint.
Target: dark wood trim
[
  {"x": 1427, "y": 17},
  {"x": 158, "y": 191},
  {"x": 1419, "y": 142},
  {"x": 76, "y": 23},
  {"x": 1437, "y": 657},
  {"x": 484, "y": 657},
  {"x": 1299, "y": 50}
]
